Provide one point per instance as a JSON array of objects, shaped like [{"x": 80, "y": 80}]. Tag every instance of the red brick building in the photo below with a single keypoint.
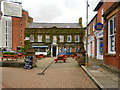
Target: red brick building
[
  {"x": 18, "y": 26},
  {"x": 112, "y": 34},
  {"x": 105, "y": 44}
]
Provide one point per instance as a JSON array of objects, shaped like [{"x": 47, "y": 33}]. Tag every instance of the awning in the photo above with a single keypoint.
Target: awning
[{"x": 40, "y": 46}]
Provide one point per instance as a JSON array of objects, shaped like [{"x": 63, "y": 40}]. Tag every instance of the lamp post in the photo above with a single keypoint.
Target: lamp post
[{"x": 86, "y": 64}]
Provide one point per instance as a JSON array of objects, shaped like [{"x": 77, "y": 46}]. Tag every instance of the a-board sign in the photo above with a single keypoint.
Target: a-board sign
[
  {"x": 28, "y": 62},
  {"x": 99, "y": 26}
]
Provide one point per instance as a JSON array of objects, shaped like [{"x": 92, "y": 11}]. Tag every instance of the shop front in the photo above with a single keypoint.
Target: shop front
[
  {"x": 99, "y": 44},
  {"x": 91, "y": 46}
]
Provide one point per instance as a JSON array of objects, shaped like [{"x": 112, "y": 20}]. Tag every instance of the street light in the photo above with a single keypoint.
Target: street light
[{"x": 86, "y": 64}]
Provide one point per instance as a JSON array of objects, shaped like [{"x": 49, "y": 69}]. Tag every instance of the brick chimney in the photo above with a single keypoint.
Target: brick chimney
[{"x": 80, "y": 22}]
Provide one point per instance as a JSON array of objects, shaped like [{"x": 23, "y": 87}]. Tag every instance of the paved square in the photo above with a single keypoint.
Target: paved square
[{"x": 58, "y": 75}]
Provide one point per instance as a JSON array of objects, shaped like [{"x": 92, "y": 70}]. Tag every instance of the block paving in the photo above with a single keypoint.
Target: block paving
[{"x": 58, "y": 75}]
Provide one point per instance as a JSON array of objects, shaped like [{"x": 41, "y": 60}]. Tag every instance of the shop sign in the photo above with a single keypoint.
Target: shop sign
[
  {"x": 101, "y": 48},
  {"x": 101, "y": 34},
  {"x": 70, "y": 44},
  {"x": 99, "y": 26}
]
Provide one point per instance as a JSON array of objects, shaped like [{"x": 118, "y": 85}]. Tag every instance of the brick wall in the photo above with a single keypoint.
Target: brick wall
[
  {"x": 112, "y": 60},
  {"x": 17, "y": 25}
]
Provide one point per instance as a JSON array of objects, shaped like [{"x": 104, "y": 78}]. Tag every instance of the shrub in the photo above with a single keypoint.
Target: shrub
[{"x": 9, "y": 53}]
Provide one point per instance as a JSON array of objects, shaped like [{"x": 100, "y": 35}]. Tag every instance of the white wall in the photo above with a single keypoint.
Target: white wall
[{"x": 3, "y": 32}]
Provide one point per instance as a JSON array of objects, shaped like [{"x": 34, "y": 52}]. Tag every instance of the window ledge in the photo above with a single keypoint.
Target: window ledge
[{"x": 107, "y": 54}]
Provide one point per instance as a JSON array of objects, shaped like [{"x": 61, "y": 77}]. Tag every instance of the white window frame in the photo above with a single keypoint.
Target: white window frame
[
  {"x": 89, "y": 30},
  {"x": 93, "y": 26},
  {"x": 70, "y": 38},
  {"x": 86, "y": 33},
  {"x": 110, "y": 37},
  {"x": 55, "y": 39},
  {"x": 78, "y": 38},
  {"x": 39, "y": 38},
  {"x": 31, "y": 38},
  {"x": 102, "y": 18},
  {"x": 47, "y": 37},
  {"x": 61, "y": 38}
]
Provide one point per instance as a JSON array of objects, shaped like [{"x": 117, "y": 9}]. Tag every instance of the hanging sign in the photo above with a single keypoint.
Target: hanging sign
[{"x": 99, "y": 26}]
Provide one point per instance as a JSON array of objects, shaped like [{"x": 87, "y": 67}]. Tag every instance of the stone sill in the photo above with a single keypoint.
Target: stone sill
[{"x": 112, "y": 55}]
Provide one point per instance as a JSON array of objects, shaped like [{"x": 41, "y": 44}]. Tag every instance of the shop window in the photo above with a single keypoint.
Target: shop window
[
  {"x": 76, "y": 49},
  {"x": 39, "y": 38},
  {"x": 76, "y": 38},
  {"x": 61, "y": 38},
  {"x": 91, "y": 48},
  {"x": 112, "y": 35},
  {"x": 69, "y": 38},
  {"x": 61, "y": 49},
  {"x": 47, "y": 38},
  {"x": 31, "y": 38},
  {"x": 69, "y": 49},
  {"x": 101, "y": 46}
]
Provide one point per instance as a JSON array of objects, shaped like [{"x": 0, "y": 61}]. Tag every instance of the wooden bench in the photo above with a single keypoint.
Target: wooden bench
[
  {"x": 40, "y": 56},
  {"x": 10, "y": 57},
  {"x": 20, "y": 55},
  {"x": 74, "y": 56},
  {"x": 60, "y": 57}
]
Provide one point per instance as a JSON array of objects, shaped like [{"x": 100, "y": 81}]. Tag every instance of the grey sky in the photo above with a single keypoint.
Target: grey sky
[{"x": 59, "y": 11}]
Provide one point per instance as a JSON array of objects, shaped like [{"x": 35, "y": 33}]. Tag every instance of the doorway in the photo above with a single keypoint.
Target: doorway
[{"x": 54, "y": 51}]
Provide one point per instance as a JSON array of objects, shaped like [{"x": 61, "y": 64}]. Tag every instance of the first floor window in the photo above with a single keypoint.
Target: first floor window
[
  {"x": 69, "y": 38},
  {"x": 54, "y": 39},
  {"x": 47, "y": 38},
  {"x": 61, "y": 38},
  {"x": 31, "y": 38},
  {"x": 112, "y": 35},
  {"x": 76, "y": 38},
  {"x": 39, "y": 38}
]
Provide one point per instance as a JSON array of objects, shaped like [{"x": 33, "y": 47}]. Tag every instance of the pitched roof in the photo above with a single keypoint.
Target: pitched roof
[
  {"x": 51, "y": 25},
  {"x": 98, "y": 6}
]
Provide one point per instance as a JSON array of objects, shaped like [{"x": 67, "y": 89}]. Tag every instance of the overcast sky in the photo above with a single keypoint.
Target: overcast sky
[{"x": 59, "y": 11}]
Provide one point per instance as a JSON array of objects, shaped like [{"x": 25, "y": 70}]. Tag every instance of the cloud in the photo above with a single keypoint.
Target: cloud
[{"x": 59, "y": 11}]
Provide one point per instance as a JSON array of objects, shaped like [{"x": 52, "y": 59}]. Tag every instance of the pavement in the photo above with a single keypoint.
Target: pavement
[
  {"x": 104, "y": 78},
  {"x": 57, "y": 75}
]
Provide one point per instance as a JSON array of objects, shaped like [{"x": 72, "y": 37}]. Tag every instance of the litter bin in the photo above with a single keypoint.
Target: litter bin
[
  {"x": 81, "y": 56},
  {"x": 28, "y": 62}
]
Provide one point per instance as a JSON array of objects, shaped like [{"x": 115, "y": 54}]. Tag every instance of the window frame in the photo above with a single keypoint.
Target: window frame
[
  {"x": 30, "y": 38},
  {"x": 70, "y": 38},
  {"x": 61, "y": 40},
  {"x": 39, "y": 38},
  {"x": 47, "y": 37},
  {"x": 110, "y": 36},
  {"x": 78, "y": 38}
]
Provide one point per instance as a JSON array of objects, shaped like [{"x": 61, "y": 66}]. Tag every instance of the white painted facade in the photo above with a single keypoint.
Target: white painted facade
[
  {"x": 99, "y": 39},
  {"x": 6, "y": 33}
]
